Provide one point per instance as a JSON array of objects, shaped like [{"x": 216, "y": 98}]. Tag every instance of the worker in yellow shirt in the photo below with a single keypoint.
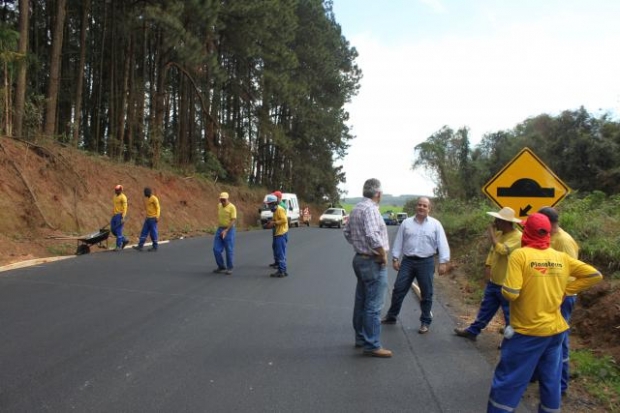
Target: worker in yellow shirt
[
  {"x": 225, "y": 235},
  {"x": 151, "y": 205},
  {"x": 280, "y": 235},
  {"x": 562, "y": 241},
  {"x": 536, "y": 281},
  {"x": 504, "y": 239},
  {"x": 119, "y": 212}
]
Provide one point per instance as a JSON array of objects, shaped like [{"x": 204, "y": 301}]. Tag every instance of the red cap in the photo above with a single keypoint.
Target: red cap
[
  {"x": 118, "y": 188},
  {"x": 538, "y": 223},
  {"x": 278, "y": 194}
]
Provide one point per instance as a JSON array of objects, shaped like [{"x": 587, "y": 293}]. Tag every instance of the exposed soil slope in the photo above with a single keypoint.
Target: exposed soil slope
[{"x": 52, "y": 190}]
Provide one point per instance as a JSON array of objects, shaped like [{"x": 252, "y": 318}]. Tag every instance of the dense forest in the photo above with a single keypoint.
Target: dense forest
[
  {"x": 580, "y": 148},
  {"x": 248, "y": 92}
]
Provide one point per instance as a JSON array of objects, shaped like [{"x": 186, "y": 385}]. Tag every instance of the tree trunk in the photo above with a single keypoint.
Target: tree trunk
[
  {"x": 52, "y": 92},
  {"x": 157, "y": 127},
  {"x": 99, "y": 148},
  {"x": 80, "y": 74},
  {"x": 20, "y": 89},
  {"x": 122, "y": 109}
]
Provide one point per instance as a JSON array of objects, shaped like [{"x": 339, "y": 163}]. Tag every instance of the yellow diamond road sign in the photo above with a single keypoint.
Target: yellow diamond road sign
[{"x": 525, "y": 184}]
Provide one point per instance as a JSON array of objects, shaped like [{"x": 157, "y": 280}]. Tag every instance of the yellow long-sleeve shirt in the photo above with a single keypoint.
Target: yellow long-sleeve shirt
[
  {"x": 497, "y": 259},
  {"x": 535, "y": 284},
  {"x": 119, "y": 203},
  {"x": 562, "y": 241},
  {"x": 280, "y": 220},
  {"x": 152, "y": 207}
]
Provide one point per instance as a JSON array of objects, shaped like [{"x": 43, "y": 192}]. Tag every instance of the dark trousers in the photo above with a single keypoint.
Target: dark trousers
[
  {"x": 280, "y": 243},
  {"x": 149, "y": 229},
  {"x": 422, "y": 270},
  {"x": 491, "y": 302},
  {"x": 116, "y": 227}
]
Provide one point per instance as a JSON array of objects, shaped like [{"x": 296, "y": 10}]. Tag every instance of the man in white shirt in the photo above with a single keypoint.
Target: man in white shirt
[{"x": 418, "y": 239}]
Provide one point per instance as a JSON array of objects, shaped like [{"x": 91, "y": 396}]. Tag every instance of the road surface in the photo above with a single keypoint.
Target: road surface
[{"x": 159, "y": 332}]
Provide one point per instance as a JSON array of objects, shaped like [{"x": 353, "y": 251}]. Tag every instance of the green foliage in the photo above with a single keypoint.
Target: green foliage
[
  {"x": 583, "y": 151},
  {"x": 246, "y": 91},
  {"x": 594, "y": 222},
  {"x": 600, "y": 375}
]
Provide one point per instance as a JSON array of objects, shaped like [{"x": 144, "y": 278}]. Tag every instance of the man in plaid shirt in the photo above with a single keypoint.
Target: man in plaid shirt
[{"x": 367, "y": 232}]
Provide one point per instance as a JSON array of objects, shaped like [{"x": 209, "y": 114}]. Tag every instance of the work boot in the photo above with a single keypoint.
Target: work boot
[
  {"x": 463, "y": 332},
  {"x": 380, "y": 352},
  {"x": 125, "y": 242},
  {"x": 138, "y": 247}
]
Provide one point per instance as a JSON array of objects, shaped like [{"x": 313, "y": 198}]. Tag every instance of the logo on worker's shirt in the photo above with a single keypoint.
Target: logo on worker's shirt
[{"x": 544, "y": 266}]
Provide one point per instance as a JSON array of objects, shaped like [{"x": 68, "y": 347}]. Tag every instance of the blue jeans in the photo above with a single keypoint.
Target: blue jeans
[
  {"x": 280, "y": 242},
  {"x": 521, "y": 356},
  {"x": 228, "y": 244},
  {"x": 149, "y": 229},
  {"x": 491, "y": 302},
  {"x": 116, "y": 228},
  {"x": 566, "y": 309},
  {"x": 422, "y": 269},
  {"x": 369, "y": 297}
]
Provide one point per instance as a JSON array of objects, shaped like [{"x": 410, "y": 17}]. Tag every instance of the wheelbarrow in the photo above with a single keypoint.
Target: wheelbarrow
[{"x": 84, "y": 242}]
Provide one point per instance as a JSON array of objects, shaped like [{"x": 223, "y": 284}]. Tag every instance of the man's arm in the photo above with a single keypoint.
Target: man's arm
[
  {"x": 444, "y": 250},
  {"x": 514, "y": 276},
  {"x": 585, "y": 277}
]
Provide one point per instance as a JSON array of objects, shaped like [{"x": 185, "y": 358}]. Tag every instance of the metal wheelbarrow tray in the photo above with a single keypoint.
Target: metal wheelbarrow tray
[{"x": 84, "y": 242}]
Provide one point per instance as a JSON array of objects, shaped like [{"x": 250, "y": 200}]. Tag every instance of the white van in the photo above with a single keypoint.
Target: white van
[{"x": 292, "y": 210}]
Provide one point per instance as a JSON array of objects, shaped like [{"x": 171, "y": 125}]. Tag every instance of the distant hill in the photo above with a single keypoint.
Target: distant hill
[{"x": 386, "y": 199}]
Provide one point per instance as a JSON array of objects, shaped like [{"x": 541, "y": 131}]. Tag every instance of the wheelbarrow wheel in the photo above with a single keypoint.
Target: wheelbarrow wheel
[{"x": 82, "y": 249}]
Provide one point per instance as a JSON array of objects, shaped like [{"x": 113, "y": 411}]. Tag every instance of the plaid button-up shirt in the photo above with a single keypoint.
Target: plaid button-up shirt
[{"x": 366, "y": 230}]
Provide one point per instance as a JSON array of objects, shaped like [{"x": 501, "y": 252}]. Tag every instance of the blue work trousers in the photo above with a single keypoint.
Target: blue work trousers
[
  {"x": 280, "y": 242},
  {"x": 224, "y": 244},
  {"x": 568, "y": 304},
  {"x": 521, "y": 356},
  {"x": 116, "y": 228},
  {"x": 422, "y": 270},
  {"x": 369, "y": 298},
  {"x": 149, "y": 229},
  {"x": 491, "y": 302}
]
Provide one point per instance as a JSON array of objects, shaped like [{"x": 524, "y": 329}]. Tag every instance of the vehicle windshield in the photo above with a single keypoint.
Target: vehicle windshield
[{"x": 332, "y": 211}]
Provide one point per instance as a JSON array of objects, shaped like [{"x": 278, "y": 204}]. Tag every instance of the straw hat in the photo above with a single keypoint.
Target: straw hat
[{"x": 505, "y": 214}]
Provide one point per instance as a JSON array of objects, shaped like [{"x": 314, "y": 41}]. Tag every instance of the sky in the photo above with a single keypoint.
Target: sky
[{"x": 487, "y": 65}]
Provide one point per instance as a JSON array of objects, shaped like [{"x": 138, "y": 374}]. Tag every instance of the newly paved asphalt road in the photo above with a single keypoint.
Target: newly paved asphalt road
[{"x": 159, "y": 332}]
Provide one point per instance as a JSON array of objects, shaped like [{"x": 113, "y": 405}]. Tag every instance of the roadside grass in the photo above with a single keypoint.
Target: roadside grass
[
  {"x": 594, "y": 222},
  {"x": 61, "y": 249},
  {"x": 599, "y": 375}
]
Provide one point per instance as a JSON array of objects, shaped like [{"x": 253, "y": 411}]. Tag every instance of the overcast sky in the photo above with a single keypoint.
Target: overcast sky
[{"x": 483, "y": 64}]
